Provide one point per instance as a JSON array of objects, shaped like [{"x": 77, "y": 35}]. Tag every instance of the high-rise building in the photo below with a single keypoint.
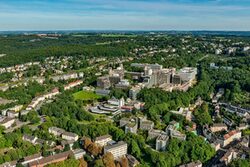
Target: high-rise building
[
  {"x": 118, "y": 150},
  {"x": 161, "y": 142}
]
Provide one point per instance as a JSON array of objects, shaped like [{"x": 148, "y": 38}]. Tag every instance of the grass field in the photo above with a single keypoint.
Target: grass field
[{"x": 86, "y": 95}]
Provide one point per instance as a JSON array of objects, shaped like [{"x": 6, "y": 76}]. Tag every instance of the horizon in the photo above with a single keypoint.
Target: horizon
[{"x": 125, "y": 15}]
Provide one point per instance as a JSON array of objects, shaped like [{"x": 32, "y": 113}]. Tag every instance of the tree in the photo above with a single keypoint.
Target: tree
[
  {"x": 202, "y": 115},
  {"x": 87, "y": 141},
  {"x": 124, "y": 162},
  {"x": 83, "y": 163},
  {"x": 99, "y": 163},
  {"x": 94, "y": 149},
  {"x": 108, "y": 160},
  {"x": 135, "y": 150}
]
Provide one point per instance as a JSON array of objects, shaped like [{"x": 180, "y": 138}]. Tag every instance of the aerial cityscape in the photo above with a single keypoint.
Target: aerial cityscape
[{"x": 124, "y": 83}]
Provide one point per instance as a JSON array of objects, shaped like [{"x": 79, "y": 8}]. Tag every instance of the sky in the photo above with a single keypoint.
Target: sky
[{"x": 125, "y": 15}]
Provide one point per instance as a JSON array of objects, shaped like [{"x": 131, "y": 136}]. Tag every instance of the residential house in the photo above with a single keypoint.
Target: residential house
[
  {"x": 228, "y": 156},
  {"x": 229, "y": 137},
  {"x": 73, "y": 84}
]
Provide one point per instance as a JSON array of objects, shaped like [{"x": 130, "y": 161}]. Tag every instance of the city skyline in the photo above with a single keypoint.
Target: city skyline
[{"x": 125, "y": 15}]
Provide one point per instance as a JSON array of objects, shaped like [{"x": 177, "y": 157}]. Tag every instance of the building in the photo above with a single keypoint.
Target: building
[
  {"x": 174, "y": 133},
  {"x": 134, "y": 91},
  {"x": 131, "y": 127},
  {"x": 103, "y": 140},
  {"x": 12, "y": 114},
  {"x": 7, "y": 122},
  {"x": 132, "y": 161},
  {"x": 118, "y": 150},
  {"x": 79, "y": 153},
  {"x": 31, "y": 139},
  {"x": 153, "y": 133},
  {"x": 102, "y": 92},
  {"x": 31, "y": 158},
  {"x": 73, "y": 84},
  {"x": 51, "y": 159},
  {"x": 123, "y": 84},
  {"x": 103, "y": 82},
  {"x": 161, "y": 142},
  {"x": 215, "y": 145},
  {"x": 228, "y": 157},
  {"x": 187, "y": 73},
  {"x": 146, "y": 124},
  {"x": 218, "y": 127},
  {"x": 124, "y": 121},
  {"x": 9, "y": 164},
  {"x": 70, "y": 136},
  {"x": 56, "y": 131},
  {"x": 193, "y": 164},
  {"x": 116, "y": 102},
  {"x": 243, "y": 126},
  {"x": 229, "y": 137}
]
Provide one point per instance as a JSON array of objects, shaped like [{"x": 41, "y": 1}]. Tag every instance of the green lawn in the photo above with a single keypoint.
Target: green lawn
[{"x": 86, "y": 95}]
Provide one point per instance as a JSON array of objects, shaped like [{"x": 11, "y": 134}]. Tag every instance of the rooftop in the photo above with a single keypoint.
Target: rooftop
[
  {"x": 103, "y": 137},
  {"x": 120, "y": 143}
]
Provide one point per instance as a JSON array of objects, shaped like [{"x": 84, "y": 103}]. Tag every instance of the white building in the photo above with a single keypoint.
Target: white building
[
  {"x": 12, "y": 114},
  {"x": 7, "y": 122},
  {"x": 187, "y": 73},
  {"x": 103, "y": 140},
  {"x": 73, "y": 84},
  {"x": 161, "y": 142},
  {"x": 118, "y": 150},
  {"x": 70, "y": 136},
  {"x": 56, "y": 131}
]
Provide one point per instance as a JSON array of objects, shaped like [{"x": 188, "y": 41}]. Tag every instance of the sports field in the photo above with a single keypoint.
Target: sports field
[{"x": 86, "y": 95}]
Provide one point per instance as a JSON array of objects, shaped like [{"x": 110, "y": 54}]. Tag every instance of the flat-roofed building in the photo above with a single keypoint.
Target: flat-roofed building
[
  {"x": 131, "y": 127},
  {"x": 56, "y": 131},
  {"x": 118, "y": 150},
  {"x": 187, "y": 73},
  {"x": 70, "y": 136},
  {"x": 51, "y": 159},
  {"x": 31, "y": 158},
  {"x": 161, "y": 142},
  {"x": 218, "y": 127},
  {"x": 103, "y": 82},
  {"x": 193, "y": 164},
  {"x": 146, "y": 124},
  {"x": 7, "y": 122},
  {"x": 79, "y": 153},
  {"x": 103, "y": 140}
]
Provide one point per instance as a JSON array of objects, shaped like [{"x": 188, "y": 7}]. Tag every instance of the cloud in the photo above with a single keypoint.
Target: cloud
[{"x": 124, "y": 14}]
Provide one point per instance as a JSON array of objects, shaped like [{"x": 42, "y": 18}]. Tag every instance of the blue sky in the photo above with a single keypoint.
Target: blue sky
[{"x": 125, "y": 15}]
